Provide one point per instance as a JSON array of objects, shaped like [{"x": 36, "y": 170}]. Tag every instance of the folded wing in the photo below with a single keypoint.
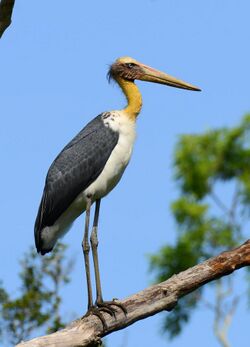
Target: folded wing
[{"x": 74, "y": 169}]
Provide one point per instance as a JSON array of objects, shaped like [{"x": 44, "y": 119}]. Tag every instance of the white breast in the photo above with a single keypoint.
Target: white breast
[
  {"x": 105, "y": 182},
  {"x": 119, "y": 157}
]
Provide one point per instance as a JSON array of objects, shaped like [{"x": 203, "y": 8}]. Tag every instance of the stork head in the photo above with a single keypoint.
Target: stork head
[{"x": 129, "y": 69}]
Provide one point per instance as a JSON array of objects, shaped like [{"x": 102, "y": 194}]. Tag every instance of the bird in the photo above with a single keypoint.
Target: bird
[{"x": 90, "y": 166}]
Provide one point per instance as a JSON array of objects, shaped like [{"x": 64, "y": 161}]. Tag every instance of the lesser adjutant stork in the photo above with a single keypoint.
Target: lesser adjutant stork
[{"x": 90, "y": 166}]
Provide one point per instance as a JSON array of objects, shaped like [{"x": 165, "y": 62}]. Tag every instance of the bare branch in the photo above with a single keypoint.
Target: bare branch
[
  {"x": 219, "y": 202},
  {"x": 223, "y": 320},
  {"x": 164, "y": 296},
  {"x": 219, "y": 332},
  {"x": 234, "y": 204},
  {"x": 207, "y": 304},
  {"x": 6, "y": 8},
  {"x": 230, "y": 314}
]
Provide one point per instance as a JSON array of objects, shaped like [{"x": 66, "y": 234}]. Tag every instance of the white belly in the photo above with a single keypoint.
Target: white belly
[
  {"x": 113, "y": 169},
  {"x": 105, "y": 182}
]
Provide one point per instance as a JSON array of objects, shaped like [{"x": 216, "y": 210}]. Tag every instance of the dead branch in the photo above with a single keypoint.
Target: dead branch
[
  {"x": 164, "y": 296},
  {"x": 223, "y": 317},
  {"x": 6, "y": 8}
]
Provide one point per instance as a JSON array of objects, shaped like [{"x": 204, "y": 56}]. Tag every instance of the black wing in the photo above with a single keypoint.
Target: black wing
[{"x": 73, "y": 170}]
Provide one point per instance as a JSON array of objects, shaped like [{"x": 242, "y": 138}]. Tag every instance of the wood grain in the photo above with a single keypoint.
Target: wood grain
[{"x": 164, "y": 296}]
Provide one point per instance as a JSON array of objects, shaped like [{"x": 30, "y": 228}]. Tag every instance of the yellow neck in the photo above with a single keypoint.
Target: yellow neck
[{"x": 133, "y": 97}]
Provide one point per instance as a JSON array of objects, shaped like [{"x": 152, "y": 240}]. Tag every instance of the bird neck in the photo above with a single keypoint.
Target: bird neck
[{"x": 133, "y": 97}]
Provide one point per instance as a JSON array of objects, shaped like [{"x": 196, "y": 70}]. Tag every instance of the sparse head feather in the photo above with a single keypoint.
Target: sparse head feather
[
  {"x": 126, "y": 60},
  {"x": 126, "y": 68}
]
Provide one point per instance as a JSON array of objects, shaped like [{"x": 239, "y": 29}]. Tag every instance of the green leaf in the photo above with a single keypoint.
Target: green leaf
[{"x": 212, "y": 171}]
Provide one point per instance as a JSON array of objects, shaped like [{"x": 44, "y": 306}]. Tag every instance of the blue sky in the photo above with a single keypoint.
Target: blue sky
[{"x": 54, "y": 59}]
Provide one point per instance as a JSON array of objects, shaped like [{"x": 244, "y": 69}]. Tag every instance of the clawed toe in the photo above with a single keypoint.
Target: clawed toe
[
  {"x": 97, "y": 312},
  {"x": 109, "y": 304},
  {"x": 105, "y": 306}
]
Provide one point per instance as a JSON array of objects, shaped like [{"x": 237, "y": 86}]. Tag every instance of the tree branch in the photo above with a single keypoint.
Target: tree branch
[
  {"x": 219, "y": 202},
  {"x": 164, "y": 296},
  {"x": 6, "y": 8}
]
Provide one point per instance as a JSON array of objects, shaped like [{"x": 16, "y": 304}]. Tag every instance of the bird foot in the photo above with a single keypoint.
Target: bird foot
[
  {"x": 109, "y": 304},
  {"x": 105, "y": 306}
]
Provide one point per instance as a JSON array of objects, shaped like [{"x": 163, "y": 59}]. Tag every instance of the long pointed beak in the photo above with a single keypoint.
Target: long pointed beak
[{"x": 151, "y": 75}]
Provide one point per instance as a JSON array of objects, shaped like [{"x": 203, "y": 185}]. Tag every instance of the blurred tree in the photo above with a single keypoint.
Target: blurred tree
[
  {"x": 213, "y": 174},
  {"x": 39, "y": 301}
]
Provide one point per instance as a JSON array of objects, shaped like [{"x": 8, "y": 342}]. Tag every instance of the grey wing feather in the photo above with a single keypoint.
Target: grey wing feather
[{"x": 74, "y": 169}]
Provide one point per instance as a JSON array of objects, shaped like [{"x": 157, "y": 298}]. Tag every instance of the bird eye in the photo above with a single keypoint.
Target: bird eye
[{"x": 130, "y": 65}]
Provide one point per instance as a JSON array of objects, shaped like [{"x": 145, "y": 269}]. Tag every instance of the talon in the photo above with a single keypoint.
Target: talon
[
  {"x": 122, "y": 307},
  {"x": 96, "y": 312},
  {"x": 112, "y": 303},
  {"x": 102, "y": 319},
  {"x": 105, "y": 306},
  {"x": 107, "y": 309}
]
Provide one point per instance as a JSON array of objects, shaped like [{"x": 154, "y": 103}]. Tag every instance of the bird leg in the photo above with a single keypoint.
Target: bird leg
[
  {"x": 102, "y": 305},
  {"x": 94, "y": 245},
  {"x": 86, "y": 248}
]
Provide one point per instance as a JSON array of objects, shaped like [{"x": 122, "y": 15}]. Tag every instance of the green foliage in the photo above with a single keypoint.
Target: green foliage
[
  {"x": 207, "y": 222},
  {"x": 55, "y": 268},
  {"x": 201, "y": 160},
  {"x": 3, "y": 298},
  {"x": 38, "y": 303}
]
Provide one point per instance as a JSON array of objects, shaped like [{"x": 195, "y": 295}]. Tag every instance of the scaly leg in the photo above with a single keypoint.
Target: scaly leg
[
  {"x": 86, "y": 248},
  {"x": 94, "y": 245},
  {"x": 102, "y": 305}
]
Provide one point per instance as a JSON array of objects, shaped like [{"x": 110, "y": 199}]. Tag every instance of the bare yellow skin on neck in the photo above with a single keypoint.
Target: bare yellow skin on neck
[{"x": 133, "y": 97}]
